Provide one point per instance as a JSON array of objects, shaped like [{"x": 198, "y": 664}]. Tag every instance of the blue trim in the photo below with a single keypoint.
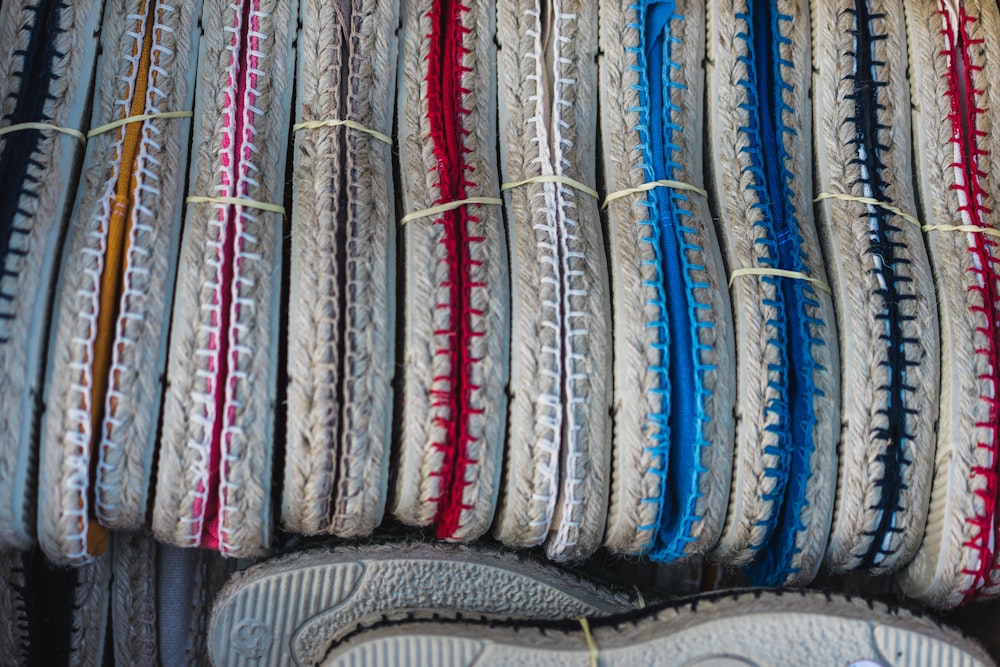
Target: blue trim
[{"x": 767, "y": 133}]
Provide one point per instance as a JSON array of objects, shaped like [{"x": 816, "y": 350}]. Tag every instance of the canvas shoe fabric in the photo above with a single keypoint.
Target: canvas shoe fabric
[
  {"x": 456, "y": 295},
  {"x": 47, "y": 55},
  {"x": 291, "y": 609},
  {"x": 954, "y": 48},
  {"x": 341, "y": 330},
  {"x": 559, "y": 423},
  {"x": 161, "y": 597},
  {"x": 673, "y": 322},
  {"x": 53, "y": 615},
  {"x": 787, "y": 394},
  {"x": 214, "y": 467},
  {"x": 115, "y": 288},
  {"x": 883, "y": 290},
  {"x": 718, "y": 630}
]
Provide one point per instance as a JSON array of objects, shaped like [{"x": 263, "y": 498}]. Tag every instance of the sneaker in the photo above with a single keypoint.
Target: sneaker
[
  {"x": 109, "y": 345},
  {"x": 953, "y": 51},
  {"x": 882, "y": 285},
  {"x": 47, "y": 53},
  {"x": 456, "y": 296},
  {"x": 674, "y": 357},
  {"x": 214, "y": 471},
  {"x": 787, "y": 395},
  {"x": 341, "y": 302},
  {"x": 740, "y": 629},
  {"x": 290, "y": 610},
  {"x": 559, "y": 425}
]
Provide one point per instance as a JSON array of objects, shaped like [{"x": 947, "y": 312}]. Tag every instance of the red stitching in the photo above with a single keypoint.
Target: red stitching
[
  {"x": 965, "y": 111},
  {"x": 241, "y": 134},
  {"x": 445, "y": 112}
]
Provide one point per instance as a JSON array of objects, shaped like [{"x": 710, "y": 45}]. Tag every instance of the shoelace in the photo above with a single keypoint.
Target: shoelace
[
  {"x": 894, "y": 290},
  {"x": 970, "y": 176},
  {"x": 681, "y": 435},
  {"x": 782, "y": 249}
]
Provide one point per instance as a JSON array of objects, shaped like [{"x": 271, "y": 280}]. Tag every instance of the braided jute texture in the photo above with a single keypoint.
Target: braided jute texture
[
  {"x": 641, "y": 449},
  {"x": 559, "y": 430},
  {"x": 30, "y": 267},
  {"x": 866, "y": 294},
  {"x": 190, "y": 406},
  {"x": 635, "y": 484},
  {"x": 124, "y": 439},
  {"x": 948, "y": 568},
  {"x": 753, "y": 502},
  {"x": 342, "y": 293},
  {"x": 426, "y": 310},
  {"x": 90, "y": 600},
  {"x": 133, "y": 599},
  {"x": 15, "y": 632}
]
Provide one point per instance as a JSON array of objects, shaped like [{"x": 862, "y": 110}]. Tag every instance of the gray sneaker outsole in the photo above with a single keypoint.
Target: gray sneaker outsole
[
  {"x": 741, "y": 630},
  {"x": 291, "y": 610}
]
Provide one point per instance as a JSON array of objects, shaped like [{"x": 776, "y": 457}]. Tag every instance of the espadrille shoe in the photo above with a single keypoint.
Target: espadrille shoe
[
  {"x": 116, "y": 281},
  {"x": 673, "y": 322},
  {"x": 52, "y": 615},
  {"x": 787, "y": 394},
  {"x": 47, "y": 53},
  {"x": 883, "y": 290},
  {"x": 778, "y": 630},
  {"x": 559, "y": 433},
  {"x": 954, "y": 62},
  {"x": 161, "y": 596},
  {"x": 290, "y": 610},
  {"x": 214, "y": 475},
  {"x": 455, "y": 287},
  {"x": 342, "y": 294}
]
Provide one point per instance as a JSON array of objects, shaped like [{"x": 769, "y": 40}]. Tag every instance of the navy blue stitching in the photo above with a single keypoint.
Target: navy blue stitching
[
  {"x": 17, "y": 155},
  {"x": 865, "y": 95}
]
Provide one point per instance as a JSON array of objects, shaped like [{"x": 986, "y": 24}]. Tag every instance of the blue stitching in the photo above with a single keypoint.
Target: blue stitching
[
  {"x": 685, "y": 419},
  {"x": 796, "y": 413}
]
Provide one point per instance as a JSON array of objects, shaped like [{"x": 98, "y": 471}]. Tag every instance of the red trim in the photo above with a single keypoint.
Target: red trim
[
  {"x": 965, "y": 112},
  {"x": 445, "y": 114}
]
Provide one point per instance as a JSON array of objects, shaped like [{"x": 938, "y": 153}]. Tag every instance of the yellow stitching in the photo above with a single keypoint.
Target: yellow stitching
[
  {"x": 972, "y": 229},
  {"x": 43, "y": 126},
  {"x": 646, "y": 187},
  {"x": 565, "y": 180},
  {"x": 450, "y": 206},
  {"x": 781, "y": 273},
  {"x": 591, "y": 642},
  {"x": 869, "y": 201},
  {"x": 334, "y": 122},
  {"x": 101, "y": 129},
  {"x": 237, "y": 201}
]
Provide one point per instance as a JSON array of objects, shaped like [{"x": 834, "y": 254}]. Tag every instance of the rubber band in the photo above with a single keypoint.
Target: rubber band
[
  {"x": 115, "y": 124},
  {"x": 871, "y": 202},
  {"x": 553, "y": 178},
  {"x": 43, "y": 126},
  {"x": 591, "y": 642},
  {"x": 450, "y": 206},
  {"x": 972, "y": 229},
  {"x": 335, "y": 122},
  {"x": 781, "y": 273},
  {"x": 237, "y": 201},
  {"x": 646, "y": 187}
]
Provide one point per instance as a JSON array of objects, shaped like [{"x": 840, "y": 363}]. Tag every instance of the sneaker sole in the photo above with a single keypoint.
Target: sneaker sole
[{"x": 291, "y": 610}]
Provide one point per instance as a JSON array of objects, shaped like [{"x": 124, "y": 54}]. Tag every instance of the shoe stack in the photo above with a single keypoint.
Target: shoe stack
[{"x": 673, "y": 280}]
